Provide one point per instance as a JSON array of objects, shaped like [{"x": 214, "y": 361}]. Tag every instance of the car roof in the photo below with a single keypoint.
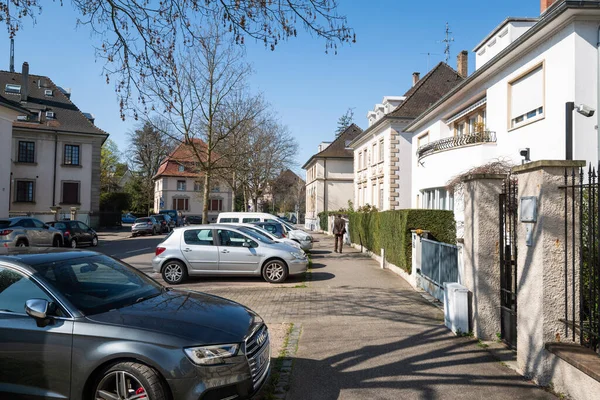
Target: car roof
[{"x": 42, "y": 255}]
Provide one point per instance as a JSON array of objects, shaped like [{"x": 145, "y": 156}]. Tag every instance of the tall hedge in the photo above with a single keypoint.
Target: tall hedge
[{"x": 391, "y": 230}]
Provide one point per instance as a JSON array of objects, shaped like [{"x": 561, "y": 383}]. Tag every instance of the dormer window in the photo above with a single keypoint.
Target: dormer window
[
  {"x": 12, "y": 89},
  {"x": 50, "y": 115},
  {"x": 181, "y": 168},
  {"x": 48, "y": 93}
]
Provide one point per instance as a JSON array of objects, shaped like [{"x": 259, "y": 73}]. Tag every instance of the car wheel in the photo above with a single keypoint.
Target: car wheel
[
  {"x": 73, "y": 243},
  {"x": 22, "y": 243},
  {"x": 129, "y": 380},
  {"x": 95, "y": 241},
  {"x": 153, "y": 231},
  {"x": 174, "y": 272},
  {"x": 275, "y": 271},
  {"x": 56, "y": 242}
]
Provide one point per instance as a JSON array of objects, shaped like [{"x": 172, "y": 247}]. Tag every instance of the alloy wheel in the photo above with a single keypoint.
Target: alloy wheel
[
  {"x": 21, "y": 244},
  {"x": 95, "y": 241},
  {"x": 173, "y": 273},
  {"x": 274, "y": 271},
  {"x": 120, "y": 385},
  {"x": 73, "y": 243}
]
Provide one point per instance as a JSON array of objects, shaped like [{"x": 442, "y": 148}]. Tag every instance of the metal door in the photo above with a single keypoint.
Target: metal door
[
  {"x": 508, "y": 261},
  {"x": 233, "y": 256}
]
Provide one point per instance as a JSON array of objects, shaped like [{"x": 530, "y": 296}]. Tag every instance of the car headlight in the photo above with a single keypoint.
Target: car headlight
[
  {"x": 210, "y": 355},
  {"x": 297, "y": 256}
]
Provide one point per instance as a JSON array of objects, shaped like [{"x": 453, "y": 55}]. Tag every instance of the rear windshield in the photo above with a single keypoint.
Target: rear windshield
[
  {"x": 227, "y": 220},
  {"x": 142, "y": 220},
  {"x": 172, "y": 214},
  {"x": 60, "y": 225},
  {"x": 4, "y": 224}
]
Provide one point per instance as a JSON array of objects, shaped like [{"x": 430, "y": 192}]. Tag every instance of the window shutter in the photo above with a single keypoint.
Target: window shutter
[{"x": 527, "y": 93}]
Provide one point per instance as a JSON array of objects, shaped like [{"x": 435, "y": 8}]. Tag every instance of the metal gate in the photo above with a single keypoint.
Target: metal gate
[
  {"x": 508, "y": 260},
  {"x": 439, "y": 265}
]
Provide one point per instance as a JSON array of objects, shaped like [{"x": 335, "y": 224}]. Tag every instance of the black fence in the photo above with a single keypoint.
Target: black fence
[
  {"x": 509, "y": 211},
  {"x": 582, "y": 257}
]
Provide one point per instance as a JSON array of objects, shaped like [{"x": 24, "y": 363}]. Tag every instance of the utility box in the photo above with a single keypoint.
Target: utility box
[{"x": 456, "y": 307}]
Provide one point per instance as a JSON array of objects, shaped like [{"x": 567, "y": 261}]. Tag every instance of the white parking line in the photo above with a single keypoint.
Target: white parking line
[{"x": 138, "y": 250}]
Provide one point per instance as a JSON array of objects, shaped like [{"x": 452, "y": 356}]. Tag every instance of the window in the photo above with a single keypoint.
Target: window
[
  {"x": 360, "y": 160},
  {"x": 437, "y": 199},
  {"x": 249, "y": 220},
  {"x": 26, "y": 152},
  {"x": 70, "y": 192},
  {"x": 215, "y": 205},
  {"x": 181, "y": 168},
  {"x": 472, "y": 124},
  {"x": 181, "y": 186},
  {"x": 359, "y": 197},
  {"x": 233, "y": 239},
  {"x": 216, "y": 188},
  {"x": 526, "y": 97},
  {"x": 227, "y": 220},
  {"x": 181, "y": 204},
  {"x": 16, "y": 289},
  {"x": 13, "y": 89},
  {"x": 24, "y": 191},
  {"x": 71, "y": 154},
  {"x": 375, "y": 153},
  {"x": 37, "y": 223},
  {"x": 460, "y": 128},
  {"x": 48, "y": 93},
  {"x": 197, "y": 186},
  {"x": 381, "y": 148},
  {"x": 423, "y": 139},
  {"x": 199, "y": 237},
  {"x": 373, "y": 195},
  {"x": 380, "y": 196}
]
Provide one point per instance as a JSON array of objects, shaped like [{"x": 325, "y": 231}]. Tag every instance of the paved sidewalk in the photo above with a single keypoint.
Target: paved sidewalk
[{"x": 368, "y": 335}]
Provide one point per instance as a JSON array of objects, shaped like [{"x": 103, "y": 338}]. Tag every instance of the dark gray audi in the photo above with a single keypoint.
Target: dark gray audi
[{"x": 81, "y": 325}]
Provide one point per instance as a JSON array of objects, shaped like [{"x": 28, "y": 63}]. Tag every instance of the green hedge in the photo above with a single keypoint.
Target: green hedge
[
  {"x": 323, "y": 220},
  {"x": 391, "y": 230}
]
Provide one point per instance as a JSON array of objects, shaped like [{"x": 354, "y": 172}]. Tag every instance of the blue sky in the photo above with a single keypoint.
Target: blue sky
[{"x": 308, "y": 89}]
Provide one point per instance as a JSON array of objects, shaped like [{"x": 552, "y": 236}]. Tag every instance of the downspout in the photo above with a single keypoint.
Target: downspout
[{"x": 54, "y": 176}]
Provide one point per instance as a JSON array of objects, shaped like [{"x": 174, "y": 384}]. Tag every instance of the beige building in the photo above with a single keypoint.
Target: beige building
[
  {"x": 178, "y": 185},
  {"x": 8, "y": 114},
  {"x": 54, "y": 151},
  {"x": 330, "y": 177}
]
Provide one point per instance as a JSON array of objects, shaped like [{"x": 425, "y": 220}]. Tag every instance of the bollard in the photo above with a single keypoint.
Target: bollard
[{"x": 382, "y": 258}]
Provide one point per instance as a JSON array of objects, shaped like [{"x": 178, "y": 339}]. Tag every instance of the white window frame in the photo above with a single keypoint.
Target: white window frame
[{"x": 531, "y": 116}]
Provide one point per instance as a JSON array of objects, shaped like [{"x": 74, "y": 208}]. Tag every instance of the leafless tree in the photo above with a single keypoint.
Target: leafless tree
[{"x": 139, "y": 39}]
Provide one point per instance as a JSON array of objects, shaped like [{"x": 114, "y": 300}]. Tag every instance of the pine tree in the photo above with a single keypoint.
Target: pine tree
[{"x": 345, "y": 121}]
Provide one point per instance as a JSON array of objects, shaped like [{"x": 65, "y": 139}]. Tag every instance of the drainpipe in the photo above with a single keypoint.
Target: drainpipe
[
  {"x": 598, "y": 97},
  {"x": 54, "y": 177}
]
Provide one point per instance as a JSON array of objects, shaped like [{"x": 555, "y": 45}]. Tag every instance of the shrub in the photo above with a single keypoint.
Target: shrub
[
  {"x": 391, "y": 230},
  {"x": 323, "y": 220}
]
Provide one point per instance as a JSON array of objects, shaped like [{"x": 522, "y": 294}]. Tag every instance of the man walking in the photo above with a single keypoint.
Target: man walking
[{"x": 339, "y": 229}]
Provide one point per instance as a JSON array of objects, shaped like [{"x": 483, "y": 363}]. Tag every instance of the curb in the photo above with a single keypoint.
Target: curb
[{"x": 286, "y": 362}]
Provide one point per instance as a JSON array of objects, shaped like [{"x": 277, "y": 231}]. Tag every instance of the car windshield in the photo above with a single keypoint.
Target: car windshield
[
  {"x": 256, "y": 235},
  {"x": 98, "y": 284},
  {"x": 262, "y": 231},
  {"x": 288, "y": 226}
]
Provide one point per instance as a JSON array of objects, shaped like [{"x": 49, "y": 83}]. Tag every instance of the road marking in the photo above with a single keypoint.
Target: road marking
[{"x": 135, "y": 251}]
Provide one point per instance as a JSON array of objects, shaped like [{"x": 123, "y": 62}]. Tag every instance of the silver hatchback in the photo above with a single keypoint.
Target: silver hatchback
[
  {"x": 225, "y": 250},
  {"x": 26, "y": 231}
]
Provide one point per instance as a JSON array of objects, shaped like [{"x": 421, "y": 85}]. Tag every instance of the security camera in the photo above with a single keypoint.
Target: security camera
[
  {"x": 525, "y": 153},
  {"x": 584, "y": 110}
]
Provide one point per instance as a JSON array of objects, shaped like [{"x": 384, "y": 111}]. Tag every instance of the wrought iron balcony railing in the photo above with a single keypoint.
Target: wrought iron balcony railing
[{"x": 455, "y": 142}]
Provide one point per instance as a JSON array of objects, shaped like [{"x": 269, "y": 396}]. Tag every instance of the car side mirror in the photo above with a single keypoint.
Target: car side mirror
[{"x": 38, "y": 310}]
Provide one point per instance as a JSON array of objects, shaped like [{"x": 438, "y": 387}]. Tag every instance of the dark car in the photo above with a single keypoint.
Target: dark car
[
  {"x": 275, "y": 228},
  {"x": 175, "y": 219},
  {"x": 76, "y": 233},
  {"x": 193, "y": 220},
  {"x": 82, "y": 325},
  {"x": 165, "y": 222}
]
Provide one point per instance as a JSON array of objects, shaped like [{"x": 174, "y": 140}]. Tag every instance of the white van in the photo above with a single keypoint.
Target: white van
[{"x": 297, "y": 235}]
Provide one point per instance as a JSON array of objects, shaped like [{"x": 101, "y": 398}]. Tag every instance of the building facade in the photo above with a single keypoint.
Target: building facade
[
  {"x": 54, "y": 151},
  {"x": 179, "y": 185},
  {"x": 513, "y": 104},
  {"x": 383, "y": 152},
  {"x": 330, "y": 177}
]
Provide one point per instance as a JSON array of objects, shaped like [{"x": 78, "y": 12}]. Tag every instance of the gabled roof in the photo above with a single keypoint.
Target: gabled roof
[
  {"x": 338, "y": 148},
  {"x": 183, "y": 155},
  {"x": 68, "y": 118},
  {"x": 288, "y": 173}
]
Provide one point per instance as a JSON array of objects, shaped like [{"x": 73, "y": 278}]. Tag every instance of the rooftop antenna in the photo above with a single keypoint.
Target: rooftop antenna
[
  {"x": 447, "y": 41},
  {"x": 429, "y": 57},
  {"x": 12, "y": 55}
]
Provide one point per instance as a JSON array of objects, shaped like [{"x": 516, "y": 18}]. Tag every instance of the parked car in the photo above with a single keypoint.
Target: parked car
[
  {"x": 193, "y": 220},
  {"x": 75, "y": 233},
  {"x": 165, "y": 222},
  {"x": 175, "y": 218},
  {"x": 262, "y": 231},
  {"x": 128, "y": 218},
  {"x": 305, "y": 240},
  {"x": 86, "y": 326},
  {"x": 275, "y": 228},
  {"x": 26, "y": 231},
  {"x": 225, "y": 250},
  {"x": 145, "y": 225}
]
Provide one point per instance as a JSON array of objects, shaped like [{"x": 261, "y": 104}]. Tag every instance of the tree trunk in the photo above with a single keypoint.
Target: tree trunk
[
  {"x": 205, "y": 197},
  {"x": 245, "y": 200},
  {"x": 234, "y": 187}
]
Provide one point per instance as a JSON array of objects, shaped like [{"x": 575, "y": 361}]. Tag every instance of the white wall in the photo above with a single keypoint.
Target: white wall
[{"x": 7, "y": 116}]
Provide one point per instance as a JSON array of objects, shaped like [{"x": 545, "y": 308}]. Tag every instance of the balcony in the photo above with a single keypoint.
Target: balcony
[{"x": 456, "y": 142}]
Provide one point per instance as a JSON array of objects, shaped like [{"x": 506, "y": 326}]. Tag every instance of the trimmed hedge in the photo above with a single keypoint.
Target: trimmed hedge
[
  {"x": 391, "y": 230},
  {"x": 323, "y": 220}
]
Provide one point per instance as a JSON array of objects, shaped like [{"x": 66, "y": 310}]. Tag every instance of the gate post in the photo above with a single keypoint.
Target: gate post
[
  {"x": 481, "y": 272},
  {"x": 540, "y": 266}
]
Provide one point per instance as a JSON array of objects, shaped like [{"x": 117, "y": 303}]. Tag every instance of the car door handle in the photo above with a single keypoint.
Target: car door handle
[
  {"x": 187, "y": 250},
  {"x": 224, "y": 251}
]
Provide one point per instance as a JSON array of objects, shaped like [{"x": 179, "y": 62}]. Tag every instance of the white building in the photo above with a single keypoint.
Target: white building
[
  {"x": 527, "y": 70},
  {"x": 383, "y": 152},
  {"x": 178, "y": 185},
  {"x": 54, "y": 151},
  {"x": 330, "y": 177}
]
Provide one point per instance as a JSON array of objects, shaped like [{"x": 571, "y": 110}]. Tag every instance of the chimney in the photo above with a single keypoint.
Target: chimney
[
  {"x": 462, "y": 63},
  {"x": 545, "y": 4},
  {"x": 25, "y": 82},
  {"x": 416, "y": 77}
]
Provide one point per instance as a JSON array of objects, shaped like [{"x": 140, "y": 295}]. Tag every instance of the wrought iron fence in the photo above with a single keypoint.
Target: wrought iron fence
[
  {"x": 509, "y": 210},
  {"x": 456, "y": 141},
  {"x": 582, "y": 257}
]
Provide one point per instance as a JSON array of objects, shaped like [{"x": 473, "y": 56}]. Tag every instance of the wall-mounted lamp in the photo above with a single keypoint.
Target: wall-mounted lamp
[{"x": 526, "y": 154}]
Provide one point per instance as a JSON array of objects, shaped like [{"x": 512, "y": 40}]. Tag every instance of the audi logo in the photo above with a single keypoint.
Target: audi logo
[{"x": 261, "y": 338}]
